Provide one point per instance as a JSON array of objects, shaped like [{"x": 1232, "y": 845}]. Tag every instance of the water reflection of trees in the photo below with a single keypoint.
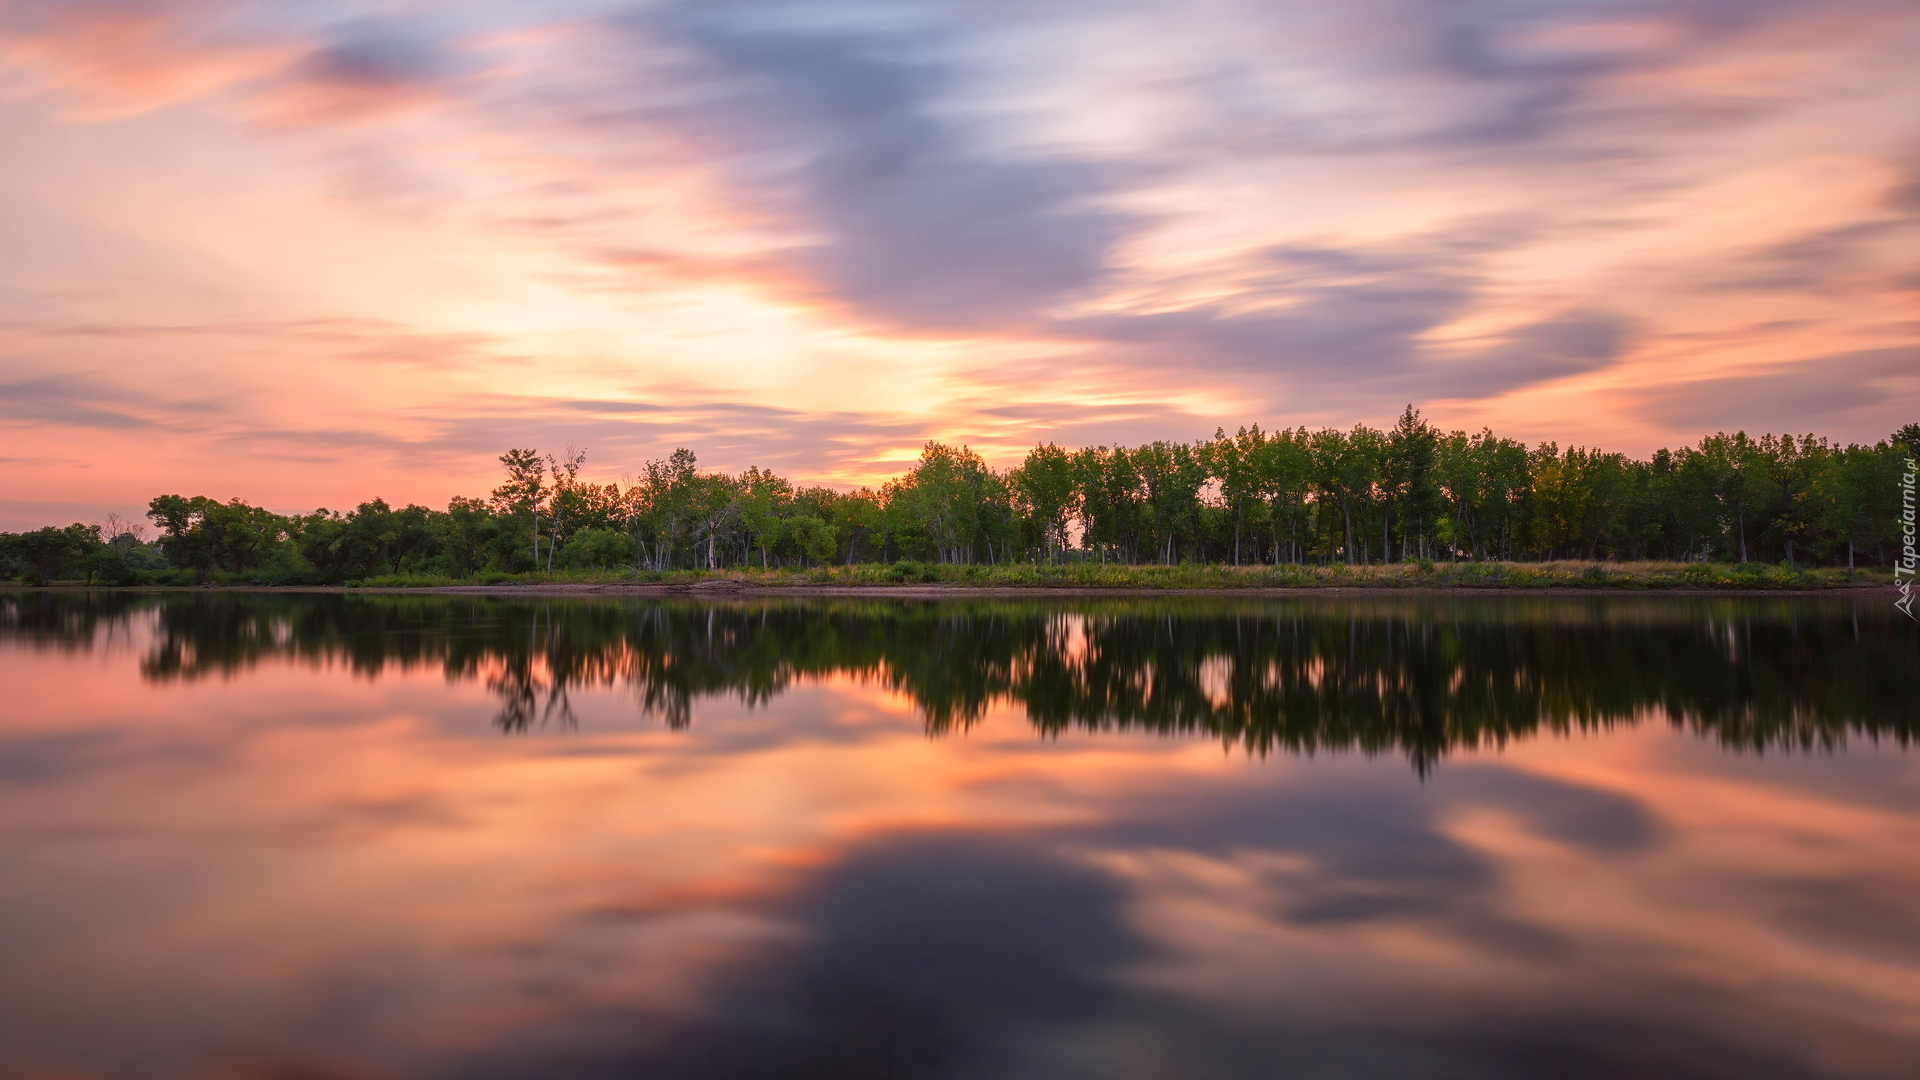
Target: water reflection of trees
[
  {"x": 66, "y": 621},
  {"x": 1420, "y": 676}
]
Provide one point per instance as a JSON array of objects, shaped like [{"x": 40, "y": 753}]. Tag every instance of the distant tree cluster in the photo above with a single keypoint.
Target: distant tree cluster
[{"x": 1289, "y": 496}]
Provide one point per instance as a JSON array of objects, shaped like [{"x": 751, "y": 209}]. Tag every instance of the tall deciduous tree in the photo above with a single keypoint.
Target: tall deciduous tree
[
  {"x": 566, "y": 499},
  {"x": 1045, "y": 484},
  {"x": 525, "y": 492},
  {"x": 765, "y": 500}
]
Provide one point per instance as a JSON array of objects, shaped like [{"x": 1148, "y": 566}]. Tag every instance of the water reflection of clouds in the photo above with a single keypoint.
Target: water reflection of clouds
[
  {"x": 335, "y": 875},
  {"x": 1419, "y": 676},
  {"x": 1523, "y": 943}
]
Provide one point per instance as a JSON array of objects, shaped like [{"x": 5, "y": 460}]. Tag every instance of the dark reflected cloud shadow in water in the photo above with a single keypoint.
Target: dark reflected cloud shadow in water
[
  {"x": 992, "y": 954},
  {"x": 925, "y": 955},
  {"x": 997, "y": 956}
]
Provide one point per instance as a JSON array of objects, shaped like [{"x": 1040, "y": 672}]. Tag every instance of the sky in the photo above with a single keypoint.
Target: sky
[{"x": 309, "y": 253}]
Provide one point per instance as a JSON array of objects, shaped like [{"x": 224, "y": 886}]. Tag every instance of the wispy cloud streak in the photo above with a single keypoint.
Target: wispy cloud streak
[{"x": 811, "y": 233}]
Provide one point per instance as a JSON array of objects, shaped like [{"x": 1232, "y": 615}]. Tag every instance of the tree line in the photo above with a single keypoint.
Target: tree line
[{"x": 1290, "y": 496}]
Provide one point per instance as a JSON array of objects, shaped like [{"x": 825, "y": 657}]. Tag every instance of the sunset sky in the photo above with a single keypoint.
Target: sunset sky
[{"x": 306, "y": 253}]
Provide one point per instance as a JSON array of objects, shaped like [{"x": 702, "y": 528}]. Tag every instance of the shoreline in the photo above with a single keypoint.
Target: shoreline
[{"x": 731, "y": 589}]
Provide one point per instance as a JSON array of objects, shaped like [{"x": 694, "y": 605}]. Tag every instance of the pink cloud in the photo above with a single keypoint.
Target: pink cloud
[
  {"x": 119, "y": 57},
  {"x": 791, "y": 239}
]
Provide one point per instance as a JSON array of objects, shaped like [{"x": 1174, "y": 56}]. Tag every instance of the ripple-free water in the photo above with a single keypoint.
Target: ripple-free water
[{"x": 424, "y": 836}]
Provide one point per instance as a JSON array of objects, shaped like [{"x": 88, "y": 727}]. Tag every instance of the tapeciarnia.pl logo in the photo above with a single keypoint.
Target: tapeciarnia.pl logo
[{"x": 1904, "y": 568}]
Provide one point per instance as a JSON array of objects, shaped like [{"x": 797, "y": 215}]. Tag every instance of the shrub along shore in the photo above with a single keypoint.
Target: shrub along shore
[
  {"x": 1407, "y": 507},
  {"x": 919, "y": 578}
]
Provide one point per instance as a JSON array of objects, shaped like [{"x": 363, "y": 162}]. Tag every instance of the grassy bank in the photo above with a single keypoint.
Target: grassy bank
[
  {"x": 1483, "y": 575},
  {"x": 1624, "y": 576}
]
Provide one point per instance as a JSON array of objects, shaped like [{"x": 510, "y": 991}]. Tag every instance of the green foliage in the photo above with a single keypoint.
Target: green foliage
[
  {"x": 373, "y": 539},
  {"x": 945, "y": 501},
  {"x": 48, "y": 554},
  {"x": 524, "y": 495},
  {"x": 1908, "y": 437},
  {"x": 77, "y": 554},
  {"x": 405, "y": 581},
  {"x": 597, "y": 549},
  {"x": 1297, "y": 504},
  {"x": 1044, "y": 493},
  {"x": 813, "y": 538},
  {"x": 206, "y": 536}
]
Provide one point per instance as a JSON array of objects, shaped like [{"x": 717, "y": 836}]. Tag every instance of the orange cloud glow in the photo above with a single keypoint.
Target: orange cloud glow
[{"x": 308, "y": 254}]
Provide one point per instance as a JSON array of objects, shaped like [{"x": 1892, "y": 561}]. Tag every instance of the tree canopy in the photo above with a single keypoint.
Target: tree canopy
[{"x": 1358, "y": 495}]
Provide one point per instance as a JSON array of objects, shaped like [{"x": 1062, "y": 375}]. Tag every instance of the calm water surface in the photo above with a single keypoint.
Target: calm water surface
[{"x": 359, "y": 837}]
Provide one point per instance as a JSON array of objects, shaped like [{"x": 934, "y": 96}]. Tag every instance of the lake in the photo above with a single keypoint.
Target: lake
[{"x": 341, "y": 836}]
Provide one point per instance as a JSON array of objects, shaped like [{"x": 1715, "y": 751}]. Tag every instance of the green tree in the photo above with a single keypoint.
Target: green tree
[
  {"x": 525, "y": 493},
  {"x": 567, "y": 498},
  {"x": 1235, "y": 463},
  {"x": 471, "y": 533},
  {"x": 206, "y": 535},
  {"x": 943, "y": 497},
  {"x": 1282, "y": 468},
  {"x": 765, "y": 501},
  {"x": 51, "y": 554},
  {"x": 1457, "y": 473},
  {"x": 1853, "y": 498},
  {"x": 1171, "y": 477},
  {"x": 715, "y": 500},
  {"x": 661, "y": 507},
  {"x": 1909, "y": 437},
  {"x": 372, "y": 539},
  {"x": 1410, "y": 488},
  {"x": 814, "y": 538},
  {"x": 859, "y": 521},
  {"x": 1346, "y": 472},
  {"x": 1109, "y": 501},
  {"x": 1046, "y": 485},
  {"x": 1734, "y": 463},
  {"x": 595, "y": 548}
]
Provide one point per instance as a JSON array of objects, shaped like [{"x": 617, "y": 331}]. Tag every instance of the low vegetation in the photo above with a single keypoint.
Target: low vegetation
[{"x": 1090, "y": 575}]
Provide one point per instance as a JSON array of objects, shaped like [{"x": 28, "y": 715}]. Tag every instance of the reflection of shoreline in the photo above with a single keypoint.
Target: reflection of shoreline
[{"x": 1379, "y": 674}]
